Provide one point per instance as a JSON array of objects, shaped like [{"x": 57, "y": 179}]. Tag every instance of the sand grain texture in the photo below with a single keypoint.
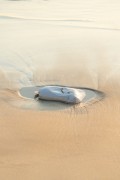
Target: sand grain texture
[{"x": 56, "y": 42}]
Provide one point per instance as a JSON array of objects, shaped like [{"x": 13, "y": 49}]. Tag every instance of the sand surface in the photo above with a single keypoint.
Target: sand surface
[{"x": 75, "y": 43}]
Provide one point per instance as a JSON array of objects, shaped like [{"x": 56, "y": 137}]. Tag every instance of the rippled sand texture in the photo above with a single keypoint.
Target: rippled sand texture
[{"x": 74, "y": 43}]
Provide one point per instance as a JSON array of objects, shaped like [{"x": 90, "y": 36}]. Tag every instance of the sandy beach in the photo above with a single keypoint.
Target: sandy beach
[{"x": 56, "y": 42}]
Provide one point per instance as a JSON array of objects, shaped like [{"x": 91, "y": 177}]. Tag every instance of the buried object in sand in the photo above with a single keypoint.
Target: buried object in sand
[{"x": 70, "y": 95}]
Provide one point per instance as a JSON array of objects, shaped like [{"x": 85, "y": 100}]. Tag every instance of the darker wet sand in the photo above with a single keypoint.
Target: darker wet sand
[{"x": 61, "y": 145}]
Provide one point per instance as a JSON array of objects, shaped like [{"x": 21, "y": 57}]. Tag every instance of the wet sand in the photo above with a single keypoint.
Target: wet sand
[
  {"x": 53, "y": 44},
  {"x": 75, "y": 144}
]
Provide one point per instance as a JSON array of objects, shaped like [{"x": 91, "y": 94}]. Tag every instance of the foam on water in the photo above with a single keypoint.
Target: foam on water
[{"x": 97, "y": 11}]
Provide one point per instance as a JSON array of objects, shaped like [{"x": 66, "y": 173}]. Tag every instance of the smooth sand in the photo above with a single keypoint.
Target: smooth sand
[
  {"x": 74, "y": 43},
  {"x": 75, "y": 144}
]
